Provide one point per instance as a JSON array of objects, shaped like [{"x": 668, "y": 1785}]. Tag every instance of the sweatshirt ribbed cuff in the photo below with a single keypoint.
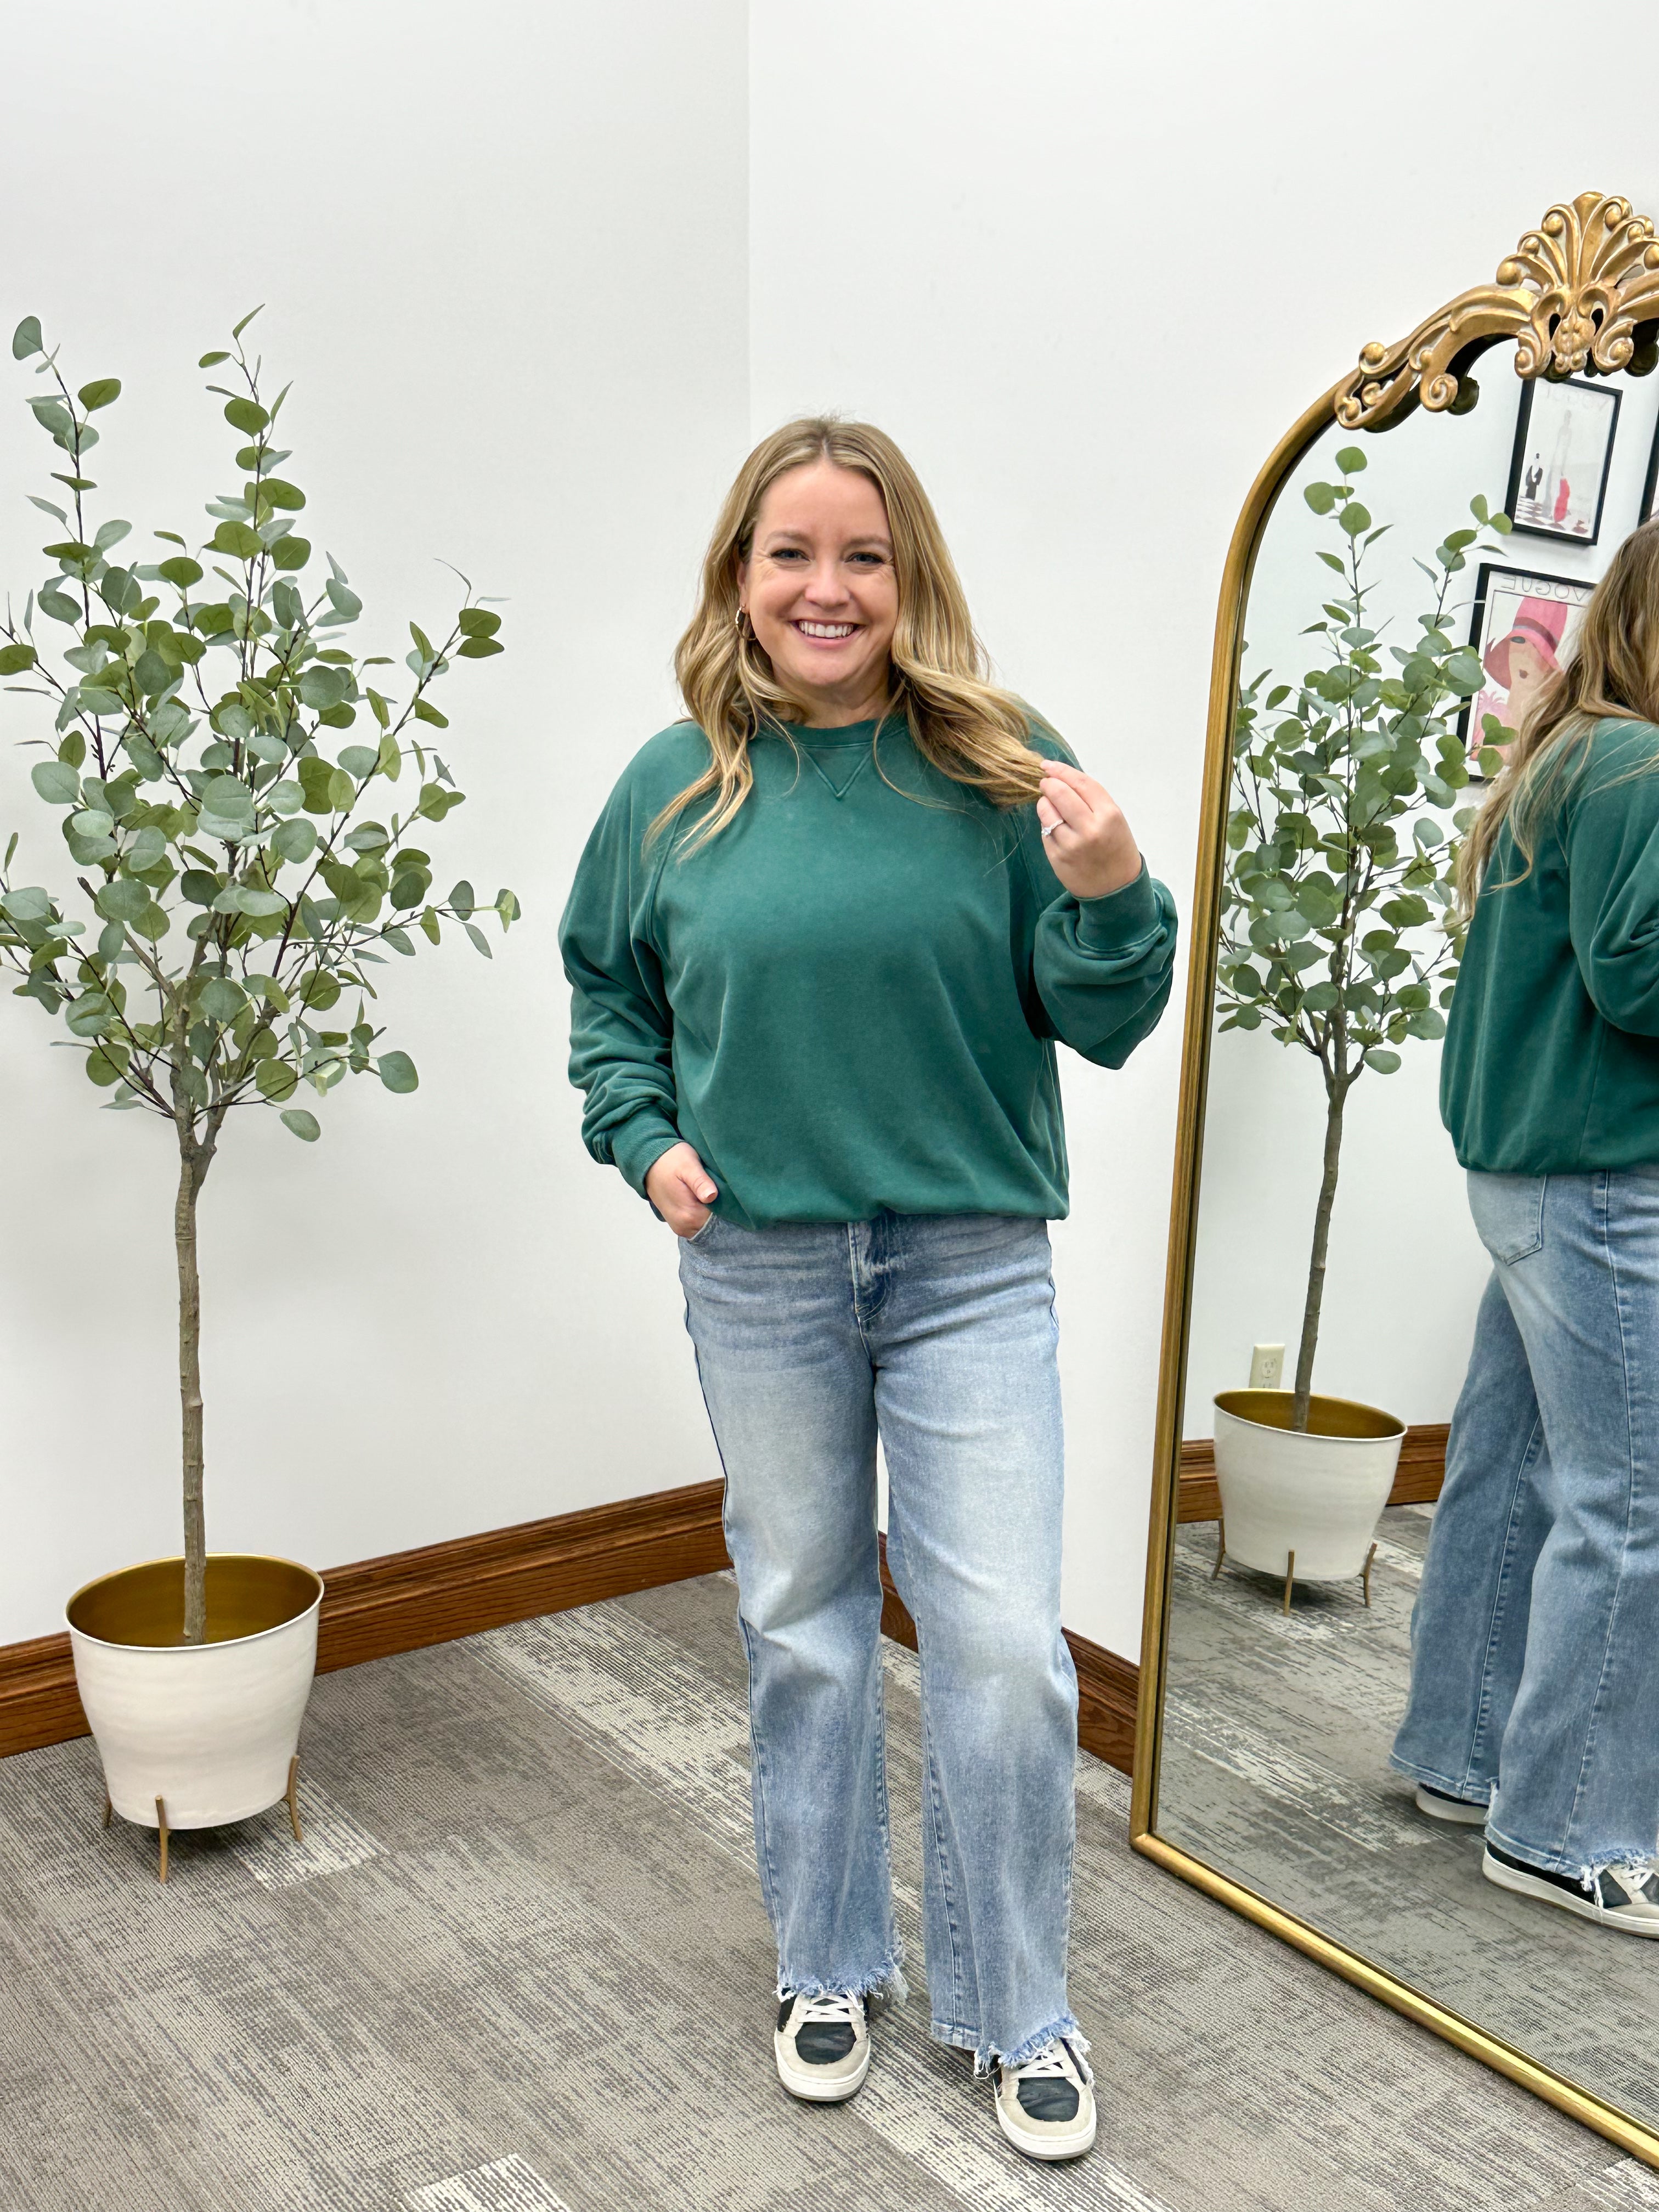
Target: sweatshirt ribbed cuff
[
  {"x": 641, "y": 1143},
  {"x": 1115, "y": 922}
]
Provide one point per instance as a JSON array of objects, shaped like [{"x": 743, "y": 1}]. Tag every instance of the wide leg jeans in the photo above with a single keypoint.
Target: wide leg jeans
[
  {"x": 1535, "y": 1637},
  {"x": 938, "y": 1335}
]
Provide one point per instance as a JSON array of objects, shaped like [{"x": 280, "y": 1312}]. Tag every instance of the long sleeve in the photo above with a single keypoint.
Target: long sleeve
[
  {"x": 621, "y": 1027},
  {"x": 1103, "y": 967},
  {"x": 1612, "y": 864}
]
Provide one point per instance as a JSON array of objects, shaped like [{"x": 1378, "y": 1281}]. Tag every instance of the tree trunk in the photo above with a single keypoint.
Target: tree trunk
[
  {"x": 1337, "y": 1093},
  {"x": 192, "y": 1168},
  {"x": 195, "y": 1158}
]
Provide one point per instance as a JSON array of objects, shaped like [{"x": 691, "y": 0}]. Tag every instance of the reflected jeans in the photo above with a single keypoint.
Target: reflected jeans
[
  {"x": 939, "y": 1332},
  {"x": 1536, "y": 1637}
]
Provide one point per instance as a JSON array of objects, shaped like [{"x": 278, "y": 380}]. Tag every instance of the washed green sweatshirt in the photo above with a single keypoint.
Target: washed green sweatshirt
[
  {"x": 1552, "y": 1056},
  {"x": 849, "y": 1000}
]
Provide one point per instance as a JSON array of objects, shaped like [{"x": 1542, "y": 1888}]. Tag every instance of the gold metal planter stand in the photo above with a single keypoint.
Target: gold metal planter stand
[
  {"x": 1290, "y": 1566},
  {"x": 290, "y": 1797}
]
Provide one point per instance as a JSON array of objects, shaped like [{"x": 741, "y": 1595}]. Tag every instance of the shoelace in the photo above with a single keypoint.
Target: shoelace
[
  {"x": 834, "y": 2004},
  {"x": 1047, "y": 2064},
  {"x": 1633, "y": 1876}
]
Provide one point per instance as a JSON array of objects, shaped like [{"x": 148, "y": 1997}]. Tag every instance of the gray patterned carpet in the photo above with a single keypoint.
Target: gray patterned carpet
[
  {"x": 1275, "y": 1771},
  {"x": 519, "y": 1965}
]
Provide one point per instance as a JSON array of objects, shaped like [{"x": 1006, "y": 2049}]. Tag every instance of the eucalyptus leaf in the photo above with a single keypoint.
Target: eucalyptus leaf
[
  {"x": 56, "y": 783},
  {"x": 121, "y": 901},
  {"x": 294, "y": 840},
  {"x": 397, "y": 1071},
  {"x": 276, "y": 1079}
]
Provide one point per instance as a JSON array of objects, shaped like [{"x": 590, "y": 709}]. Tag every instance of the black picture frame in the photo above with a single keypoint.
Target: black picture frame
[
  {"x": 1542, "y": 397},
  {"x": 1651, "y": 486},
  {"x": 1505, "y": 599}
]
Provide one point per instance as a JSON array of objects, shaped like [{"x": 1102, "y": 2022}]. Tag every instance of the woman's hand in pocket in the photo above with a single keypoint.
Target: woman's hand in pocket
[{"x": 680, "y": 1188}]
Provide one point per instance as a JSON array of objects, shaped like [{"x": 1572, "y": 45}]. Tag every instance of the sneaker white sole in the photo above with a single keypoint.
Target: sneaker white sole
[
  {"x": 808, "y": 2082},
  {"x": 1450, "y": 1809},
  {"x": 1048, "y": 2146},
  {"x": 1526, "y": 1885}
]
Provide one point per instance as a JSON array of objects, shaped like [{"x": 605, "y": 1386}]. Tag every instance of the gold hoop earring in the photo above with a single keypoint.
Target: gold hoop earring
[{"x": 737, "y": 624}]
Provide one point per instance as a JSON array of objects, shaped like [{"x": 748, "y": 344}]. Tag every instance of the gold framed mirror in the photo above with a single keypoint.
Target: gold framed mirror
[{"x": 1318, "y": 1233}]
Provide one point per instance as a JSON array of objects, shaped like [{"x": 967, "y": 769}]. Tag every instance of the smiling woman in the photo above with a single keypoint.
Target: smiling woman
[
  {"x": 819, "y": 591},
  {"x": 822, "y": 943}
]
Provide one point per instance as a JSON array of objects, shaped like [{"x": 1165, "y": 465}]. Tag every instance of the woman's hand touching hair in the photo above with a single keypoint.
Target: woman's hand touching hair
[
  {"x": 680, "y": 1188},
  {"x": 1089, "y": 845}
]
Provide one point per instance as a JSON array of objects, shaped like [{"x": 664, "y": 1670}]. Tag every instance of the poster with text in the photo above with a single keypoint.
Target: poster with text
[
  {"x": 1562, "y": 452},
  {"x": 1523, "y": 625}
]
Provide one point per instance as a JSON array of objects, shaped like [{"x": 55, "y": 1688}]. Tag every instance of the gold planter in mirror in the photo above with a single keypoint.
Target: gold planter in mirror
[{"x": 1576, "y": 302}]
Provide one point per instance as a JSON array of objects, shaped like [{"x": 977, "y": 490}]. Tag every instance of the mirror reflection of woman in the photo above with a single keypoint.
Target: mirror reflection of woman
[
  {"x": 821, "y": 945},
  {"x": 1535, "y": 1700}
]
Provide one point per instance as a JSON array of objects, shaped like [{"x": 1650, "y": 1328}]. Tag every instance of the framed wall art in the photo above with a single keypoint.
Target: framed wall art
[
  {"x": 1563, "y": 453},
  {"x": 1520, "y": 626}
]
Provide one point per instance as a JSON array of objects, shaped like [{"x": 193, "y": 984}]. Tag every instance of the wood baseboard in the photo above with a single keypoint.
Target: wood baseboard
[
  {"x": 1417, "y": 1482},
  {"x": 411, "y": 1599},
  {"x": 407, "y": 1600}
]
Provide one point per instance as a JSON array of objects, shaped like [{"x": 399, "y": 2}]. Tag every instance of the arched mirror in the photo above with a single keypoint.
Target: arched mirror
[{"x": 1408, "y": 568}]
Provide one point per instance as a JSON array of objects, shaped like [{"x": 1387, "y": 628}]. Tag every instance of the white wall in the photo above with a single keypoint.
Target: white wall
[
  {"x": 1087, "y": 263},
  {"x": 504, "y": 254},
  {"x": 1055, "y": 249}
]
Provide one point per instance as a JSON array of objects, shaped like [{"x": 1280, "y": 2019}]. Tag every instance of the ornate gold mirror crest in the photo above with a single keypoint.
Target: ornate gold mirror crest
[{"x": 1578, "y": 297}]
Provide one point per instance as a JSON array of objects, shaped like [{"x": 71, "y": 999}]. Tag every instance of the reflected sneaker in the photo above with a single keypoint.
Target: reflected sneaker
[
  {"x": 1622, "y": 1897},
  {"x": 1440, "y": 1806},
  {"x": 1046, "y": 2107},
  {"x": 821, "y": 2045}
]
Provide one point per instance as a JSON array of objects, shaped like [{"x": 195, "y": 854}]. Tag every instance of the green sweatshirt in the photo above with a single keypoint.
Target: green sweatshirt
[
  {"x": 849, "y": 1000},
  {"x": 1552, "y": 1056}
]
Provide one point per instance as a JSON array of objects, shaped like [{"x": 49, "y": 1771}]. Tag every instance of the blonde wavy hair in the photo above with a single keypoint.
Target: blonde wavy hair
[
  {"x": 1611, "y": 673},
  {"x": 940, "y": 676}
]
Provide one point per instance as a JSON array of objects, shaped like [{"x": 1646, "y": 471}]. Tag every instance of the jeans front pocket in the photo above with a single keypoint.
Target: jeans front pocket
[
  {"x": 698, "y": 1234},
  {"x": 1509, "y": 1214}
]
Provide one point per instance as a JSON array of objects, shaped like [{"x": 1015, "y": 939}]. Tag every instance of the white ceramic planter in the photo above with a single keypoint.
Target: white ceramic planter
[
  {"x": 209, "y": 1729},
  {"x": 1315, "y": 1493}
]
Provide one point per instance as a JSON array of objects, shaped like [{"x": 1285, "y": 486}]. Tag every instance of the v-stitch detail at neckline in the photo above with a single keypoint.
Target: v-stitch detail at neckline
[{"x": 841, "y": 790}]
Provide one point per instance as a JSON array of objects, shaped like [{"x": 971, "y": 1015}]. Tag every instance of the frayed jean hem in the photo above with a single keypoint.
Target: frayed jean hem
[
  {"x": 1442, "y": 1782},
  {"x": 1580, "y": 1870},
  {"x": 886, "y": 1982},
  {"x": 987, "y": 2055}
]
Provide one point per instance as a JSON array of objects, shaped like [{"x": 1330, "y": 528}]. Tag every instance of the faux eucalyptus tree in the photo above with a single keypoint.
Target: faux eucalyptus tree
[
  {"x": 231, "y": 889},
  {"x": 1338, "y": 930}
]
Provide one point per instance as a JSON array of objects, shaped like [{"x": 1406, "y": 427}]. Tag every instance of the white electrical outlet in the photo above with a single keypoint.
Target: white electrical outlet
[{"x": 1268, "y": 1367}]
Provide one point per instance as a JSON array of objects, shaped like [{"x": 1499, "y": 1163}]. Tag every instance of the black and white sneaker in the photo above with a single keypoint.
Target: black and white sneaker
[
  {"x": 821, "y": 2045},
  {"x": 1439, "y": 1806},
  {"x": 1623, "y": 1897},
  {"x": 1046, "y": 2107}
]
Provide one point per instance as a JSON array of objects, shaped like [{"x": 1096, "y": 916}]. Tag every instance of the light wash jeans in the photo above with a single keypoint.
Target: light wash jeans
[
  {"x": 939, "y": 1331},
  {"x": 1535, "y": 1637}
]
